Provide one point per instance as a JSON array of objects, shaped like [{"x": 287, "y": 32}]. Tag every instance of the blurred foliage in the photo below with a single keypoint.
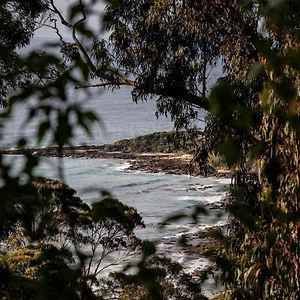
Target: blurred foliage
[
  {"x": 37, "y": 272},
  {"x": 168, "y": 48}
]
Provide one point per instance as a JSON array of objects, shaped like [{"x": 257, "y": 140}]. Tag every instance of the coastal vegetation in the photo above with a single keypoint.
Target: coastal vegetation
[
  {"x": 161, "y": 142},
  {"x": 163, "y": 50},
  {"x": 171, "y": 152}
]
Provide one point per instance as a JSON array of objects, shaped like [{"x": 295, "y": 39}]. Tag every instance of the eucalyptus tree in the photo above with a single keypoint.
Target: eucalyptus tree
[
  {"x": 264, "y": 259},
  {"x": 164, "y": 48}
]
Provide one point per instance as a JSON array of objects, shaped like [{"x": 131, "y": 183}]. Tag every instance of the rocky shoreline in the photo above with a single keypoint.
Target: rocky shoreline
[{"x": 178, "y": 163}]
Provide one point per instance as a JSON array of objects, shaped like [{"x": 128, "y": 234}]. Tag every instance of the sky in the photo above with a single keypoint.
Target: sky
[{"x": 93, "y": 21}]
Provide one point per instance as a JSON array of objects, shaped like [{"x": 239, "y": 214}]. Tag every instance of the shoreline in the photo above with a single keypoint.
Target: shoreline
[
  {"x": 178, "y": 163},
  {"x": 202, "y": 243}
]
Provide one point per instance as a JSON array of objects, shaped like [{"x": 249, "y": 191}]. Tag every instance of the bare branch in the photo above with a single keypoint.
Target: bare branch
[
  {"x": 62, "y": 19},
  {"x": 74, "y": 36},
  {"x": 121, "y": 258},
  {"x": 43, "y": 21},
  {"x": 54, "y": 27}
]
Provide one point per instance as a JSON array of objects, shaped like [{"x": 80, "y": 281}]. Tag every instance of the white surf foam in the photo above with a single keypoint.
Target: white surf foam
[
  {"x": 122, "y": 167},
  {"x": 205, "y": 199}
]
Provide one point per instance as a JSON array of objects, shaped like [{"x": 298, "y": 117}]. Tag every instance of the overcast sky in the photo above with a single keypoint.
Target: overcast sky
[{"x": 94, "y": 20}]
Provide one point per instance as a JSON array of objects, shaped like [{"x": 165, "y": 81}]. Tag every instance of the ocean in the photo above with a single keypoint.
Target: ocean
[
  {"x": 119, "y": 118},
  {"x": 155, "y": 196}
]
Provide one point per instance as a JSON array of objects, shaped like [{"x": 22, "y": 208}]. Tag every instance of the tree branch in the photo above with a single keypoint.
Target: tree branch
[
  {"x": 118, "y": 82},
  {"x": 184, "y": 95},
  {"x": 74, "y": 36},
  {"x": 195, "y": 100},
  {"x": 61, "y": 17},
  {"x": 83, "y": 15}
]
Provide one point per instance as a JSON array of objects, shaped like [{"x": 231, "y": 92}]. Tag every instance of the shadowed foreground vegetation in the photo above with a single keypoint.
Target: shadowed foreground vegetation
[{"x": 163, "y": 50}]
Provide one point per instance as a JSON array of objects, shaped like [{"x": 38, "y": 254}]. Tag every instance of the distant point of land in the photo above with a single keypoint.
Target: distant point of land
[{"x": 167, "y": 152}]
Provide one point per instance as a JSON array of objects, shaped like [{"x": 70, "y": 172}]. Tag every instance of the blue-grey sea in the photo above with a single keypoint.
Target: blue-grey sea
[{"x": 155, "y": 196}]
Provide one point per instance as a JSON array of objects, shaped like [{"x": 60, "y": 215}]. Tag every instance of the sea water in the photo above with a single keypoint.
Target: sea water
[
  {"x": 119, "y": 118},
  {"x": 155, "y": 196}
]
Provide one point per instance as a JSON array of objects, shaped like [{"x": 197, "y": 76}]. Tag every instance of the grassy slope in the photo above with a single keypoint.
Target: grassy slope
[{"x": 166, "y": 142}]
